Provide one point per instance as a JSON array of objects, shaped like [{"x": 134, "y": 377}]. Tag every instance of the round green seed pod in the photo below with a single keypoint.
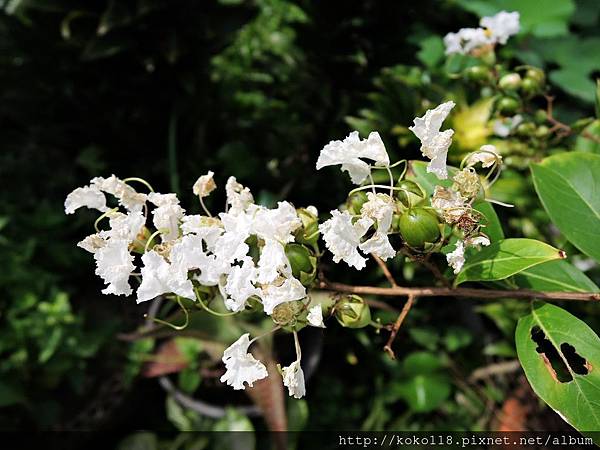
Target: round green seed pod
[
  {"x": 530, "y": 87},
  {"x": 536, "y": 75},
  {"x": 510, "y": 82},
  {"x": 418, "y": 226},
  {"x": 477, "y": 73},
  {"x": 507, "y": 106},
  {"x": 353, "y": 312}
]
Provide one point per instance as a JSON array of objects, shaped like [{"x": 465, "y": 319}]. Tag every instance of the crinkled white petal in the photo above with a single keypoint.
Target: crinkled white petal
[
  {"x": 342, "y": 237},
  {"x": 204, "y": 185},
  {"x": 273, "y": 262},
  {"x": 450, "y": 202},
  {"x": 92, "y": 243},
  {"x": 278, "y": 223},
  {"x": 241, "y": 367},
  {"x": 187, "y": 254},
  {"x": 166, "y": 219},
  {"x": 208, "y": 228},
  {"x": 456, "y": 258},
  {"x": 379, "y": 245},
  {"x": 238, "y": 196},
  {"x": 380, "y": 208},
  {"x": 466, "y": 40},
  {"x": 349, "y": 151},
  {"x": 114, "y": 265},
  {"x": 271, "y": 295},
  {"x": 313, "y": 210},
  {"x": 159, "y": 199},
  {"x": 88, "y": 196},
  {"x": 159, "y": 277},
  {"x": 315, "y": 316},
  {"x": 293, "y": 379},
  {"x": 501, "y": 26},
  {"x": 434, "y": 144},
  {"x": 124, "y": 226},
  {"x": 485, "y": 156},
  {"x": 128, "y": 197},
  {"x": 239, "y": 287}
]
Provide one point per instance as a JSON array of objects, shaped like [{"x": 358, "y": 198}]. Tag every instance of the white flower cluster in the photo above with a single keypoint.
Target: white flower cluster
[
  {"x": 208, "y": 250},
  {"x": 493, "y": 30}
]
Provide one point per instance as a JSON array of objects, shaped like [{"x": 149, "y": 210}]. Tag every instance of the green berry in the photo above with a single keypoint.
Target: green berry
[
  {"x": 418, "y": 226},
  {"x": 510, "y": 82},
  {"x": 507, "y": 106},
  {"x": 477, "y": 73}
]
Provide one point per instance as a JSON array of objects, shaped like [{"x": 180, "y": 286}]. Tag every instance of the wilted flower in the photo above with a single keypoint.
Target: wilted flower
[
  {"x": 349, "y": 151},
  {"x": 434, "y": 144},
  {"x": 293, "y": 379},
  {"x": 450, "y": 203},
  {"x": 204, "y": 185},
  {"x": 466, "y": 182},
  {"x": 241, "y": 366},
  {"x": 487, "y": 156}
]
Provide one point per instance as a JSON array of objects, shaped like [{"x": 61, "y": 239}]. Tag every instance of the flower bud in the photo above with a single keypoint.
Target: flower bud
[
  {"x": 542, "y": 131},
  {"x": 477, "y": 73},
  {"x": 510, "y": 82},
  {"x": 531, "y": 86},
  {"x": 419, "y": 226},
  {"x": 507, "y": 106},
  {"x": 286, "y": 314},
  {"x": 536, "y": 75},
  {"x": 541, "y": 116},
  {"x": 308, "y": 233},
  {"x": 356, "y": 201},
  {"x": 353, "y": 312},
  {"x": 525, "y": 129},
  {"x": 302, "y": 262},
  {"x": 411, "y": 193}
]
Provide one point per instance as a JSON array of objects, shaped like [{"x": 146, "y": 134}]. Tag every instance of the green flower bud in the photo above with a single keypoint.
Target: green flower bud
[
  {"x": 411, "y": 193},
  {"x": 536, "y": 75},
  {"x": 507, "y": 106},
  {"x": 303, "y": 263},
  {"x": 308, "y": 233},
  {"x": 356, "y": 201},
  {"x": 541, "y": 116},
  {"x": 353, "y": 312},
  {"x": 418, "y": 226},
  {"x": 510, "y": 82},
  {"x": 530, "y": 87},
  {"x": 525, "y": 129},
  {"x": 542, "y": 131},
  {"x": 479, "y": 74}
]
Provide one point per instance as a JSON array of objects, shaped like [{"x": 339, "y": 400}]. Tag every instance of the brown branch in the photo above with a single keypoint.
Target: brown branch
[
  {"x": 398, "y": 324},
  {"x": 495, "y": 369},
  {"x": 457, "y": 292},
  {"x": 385, "y": 269}
]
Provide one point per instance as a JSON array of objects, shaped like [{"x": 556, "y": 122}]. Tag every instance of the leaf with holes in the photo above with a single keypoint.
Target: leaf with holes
[
  {"x": 568, "y": 185},
  {"x": 504, "y": 258},
  {"x": 560, "y": 355}
]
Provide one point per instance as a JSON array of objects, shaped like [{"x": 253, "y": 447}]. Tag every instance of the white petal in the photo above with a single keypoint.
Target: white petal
[
  {"x": 114, "y": 264},
  {"x": 379, "y": 245},
  {"x": 293, "y": 379},
  {"x": 478, "y": 240},
  {"x": 92, "y": 243},
  {"x": 485, "y": 156},
  {"x": 208, "y": 228},
  {"x": 273, "y": 262},
  {"x": 456, "y": 258},
  {"x": 277, "y": 224},
  {"x": 342, "y": 237},
  {"x": 159, "y": 277},
  {"x": 502, "y": 25},
  {"x": 166, "y": 218},
  {"x": 313, "y": 210},
  {"x": 241, "y": 366},
  {"x": 349, "y": 151},
  {"x": 238, "y": 196},
  {"x": 272, "y": 295},
  {"x": 127, "y": 195},
  {"x": 315, "y": 316},
  {"x": 88, "y": 196},
  {"x": 239, "y": 287},
  {"x": 379, "y": 208},
  {"x": 125, "y": 226},
  {"x": 204, "y": 185}
]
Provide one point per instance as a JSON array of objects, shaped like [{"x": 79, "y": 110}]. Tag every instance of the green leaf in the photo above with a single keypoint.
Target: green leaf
[
  {"x": 418, "y": 363},
  {"x": 432, "y": 51},
  {"x": 417, "y": 171},
  {"x": 555, "y": 276},
  {"x": 568, "y": 185},
  {"x": 508, "y": 257},
  {"x": 493, "y": 228},
  {"x": 457, "y": 338},
  {"x": 423, "y": 393},
  {"x": 567, "y": 383},
  {"x": 586, "y": 143}
]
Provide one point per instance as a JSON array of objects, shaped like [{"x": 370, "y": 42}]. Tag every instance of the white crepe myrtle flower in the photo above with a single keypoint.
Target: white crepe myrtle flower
[
  {"x": 124, "y": 226},
  {"x": 204, "y": 185},
  {"x": 241, "y": 367},
  {"x": 159, "y": 277},
  {"x": 187, "y": 254},
  {"x": 349, "y": 152},
  {"x": 272, "y": 295},
  {"x": 379, "y": 245},
  {"x": 501, "y": 26},
  {"x": 456, "y": 258},
  {"x": 293, "y": 379},
  {"x": 87, "y": 196},
  {"x": 434, "y": 144},
  {"x": 342, "y": 237},
  {"x": 238, "y": 196},
  {"x": 466, "y": 40},
  {"x": 231, "y": 245},
  {"x": 487, "y": 156},
  {"x": 278, "y": 224},
  {"x": 380, "y": 208},
  {"x": 315, "y": 316},
  {"x": 114, "y": 265},
  {"x": 273, "y": 262},
  {"x": 167, "y": 215},
  {"x": 239, "y": 287},
  {"x": 208, "y": 228},
  {"x": 92, "y": 243},
  {"x": 128, "y": 197}
]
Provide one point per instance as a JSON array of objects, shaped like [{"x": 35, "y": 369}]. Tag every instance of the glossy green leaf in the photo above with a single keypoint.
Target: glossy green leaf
[
  {"x": 568, "y": 185},
  {"x": 417, "y": 171},
  {"x": 553, "y": 364},
  {"x": 555, "y": 276},
  {"x": 508, "y": 257},
  {"x": 424, "y": 393}
]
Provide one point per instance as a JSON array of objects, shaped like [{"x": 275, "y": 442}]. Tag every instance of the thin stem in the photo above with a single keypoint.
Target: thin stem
[
  {"x": 401, "y": 291},
  {"x": 204, "y": 207},
  {"x": 385, "y": 269},
  {"x": 209, "y": 310},
  {"x": 152, "y": 236},
  {"x": 175, "y": 327},
  {"x": 391, "y": 181},
  {"x": 105, "y": 214},
  {"x": 139, "y": 180},
  {"x": 381, "y": 186},
  {"x": 272, "y": 330},
  {"x": 297, "y": 344},
  {"x": 372, "y": 183},
  {"x": 388, "y": 346}
]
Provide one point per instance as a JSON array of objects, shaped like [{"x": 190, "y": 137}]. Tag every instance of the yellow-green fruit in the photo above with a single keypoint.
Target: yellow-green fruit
[
  {"x": 510, "y": 82},
  {"x": 530, "y": 86},
  {"x": 353, "y": 312},
  {"x": 299, "y": 257},
  {"x": 536, "y": 75},
  {"x": 418, "y": 226},
  {"x": 507, "y": 106},
  {"x": 477, "y": 73},
  {"x": 410, "y": 193},
  {"x": 356, "y": 201}
]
